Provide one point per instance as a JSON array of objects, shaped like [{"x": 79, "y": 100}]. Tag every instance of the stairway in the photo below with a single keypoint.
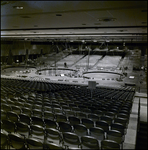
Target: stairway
[{"x": 141, "y": 142}]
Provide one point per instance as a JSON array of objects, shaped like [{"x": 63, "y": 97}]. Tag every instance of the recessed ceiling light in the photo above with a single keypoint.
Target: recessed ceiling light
[
  {"x": 106, "y": 19},
  {"x": 58, "y": 14},
  {"x": 18, "y": 7}
]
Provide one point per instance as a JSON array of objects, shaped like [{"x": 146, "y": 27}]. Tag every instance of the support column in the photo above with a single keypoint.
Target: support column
[{"x": 10, "y": 58}]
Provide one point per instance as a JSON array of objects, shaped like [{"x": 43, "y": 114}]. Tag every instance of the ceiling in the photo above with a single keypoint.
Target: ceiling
[{"x": 74, "y": 20}]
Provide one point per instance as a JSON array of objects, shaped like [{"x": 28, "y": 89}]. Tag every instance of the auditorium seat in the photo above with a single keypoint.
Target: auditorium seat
[
  {"x": 37, "y": 132},
  {"x": 23, "y": 129},
  {"x": 98, "y": 133},
  {"x": 115, "y": 136},
  {"x": 102, "y": 124},
  {"x": 27, "y": 111},
  {"x": 37, "y": 106},
  {"x": 37, "y": 113},
  {"x": 50, "y": 145},
  {"x": 122, "y": 121},
  {"x": 108, "y": 119},
  {"x": 19, "y": 104},
  {"x": 71, "y": 140},
  {"x": 50, "y": 123},
  {"x": 8, "y": 125},
  {"x": 93, "y": 117},
  {"x": 33, "y": 143},
  {"x": 89, "y": 142},
  {"x": 4, "y": 139},
  {"x": 3, "y": 115},
  {"x": 87, "y": 122},
  {"x": 81, "y": 115},
  {"x": 48, "y": 108},
  {"x": 37, "y": 121},
  {"x": 69, "y": 113},
  {"x": 6, "y": 107},
  {"x": 12, "y": 116},
  {"x": 25, "y": 118},
  {"x": 119, "y": 127},
  {"x": 16, "y": 109},
  {"x": 80, "y": 130},
  {"x": 49, "y": 115},
  {"x": 28, "y": 105},
  {"x": 109, "y": 144},
  {"x": 16, "y": 141},
  {"x": 73, "y": 120},
  {"x": 53, "y": 136},
  {"x": 58, "y": 111},
  {"x": 64, "y": 127}
]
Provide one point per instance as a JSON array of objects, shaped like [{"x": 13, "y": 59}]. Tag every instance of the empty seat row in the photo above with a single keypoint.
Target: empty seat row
[{"x": 52, "y": 138}]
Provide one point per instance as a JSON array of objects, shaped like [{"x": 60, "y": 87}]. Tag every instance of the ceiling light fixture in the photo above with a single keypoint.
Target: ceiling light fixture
[{"x": 18, "y": 7}]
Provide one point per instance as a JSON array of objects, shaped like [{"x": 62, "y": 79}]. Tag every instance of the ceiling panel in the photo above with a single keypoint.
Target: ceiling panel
[{"x": 42, "y": 19}]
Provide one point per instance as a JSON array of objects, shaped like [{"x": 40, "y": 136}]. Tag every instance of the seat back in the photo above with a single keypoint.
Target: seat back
[
  {"x": 12, "y": 116},
  {"x": 80, "y": 129},
  {"x": 25, "y": 118},
  {"x": 87, "y": 122},
  {"x": 23, "y": 129},
  {"x": 102, "y": 124},
  {"x": 53, "y": 146},
  {"x": 60, "y": 117},
  {"x": 53, "y": 135},
  {"x": 37, "y": 131},
  {"x": 33, "y": 143},
  {"x": 37, "y": 121},
  {"x": 49, "y": 115},
  {"x": 71, "y": 140},
  {"x": 89, "y": 142},
  {"x": 8, "y": 125},
  {"x": 50, "y": 123},
  {"x": 109, "y": 144},
  {"x": 73, "y": 120},
  {"x": 118, "y": 127},
  {"x": 98, "y": 133},
  {"x": 16, "y": 140},
  {"x": 93, "y": 117},
  {"x": 4, "y": 139},
  {"x": 115, "y": 136},
  {"x": 64, "y": 127}
]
